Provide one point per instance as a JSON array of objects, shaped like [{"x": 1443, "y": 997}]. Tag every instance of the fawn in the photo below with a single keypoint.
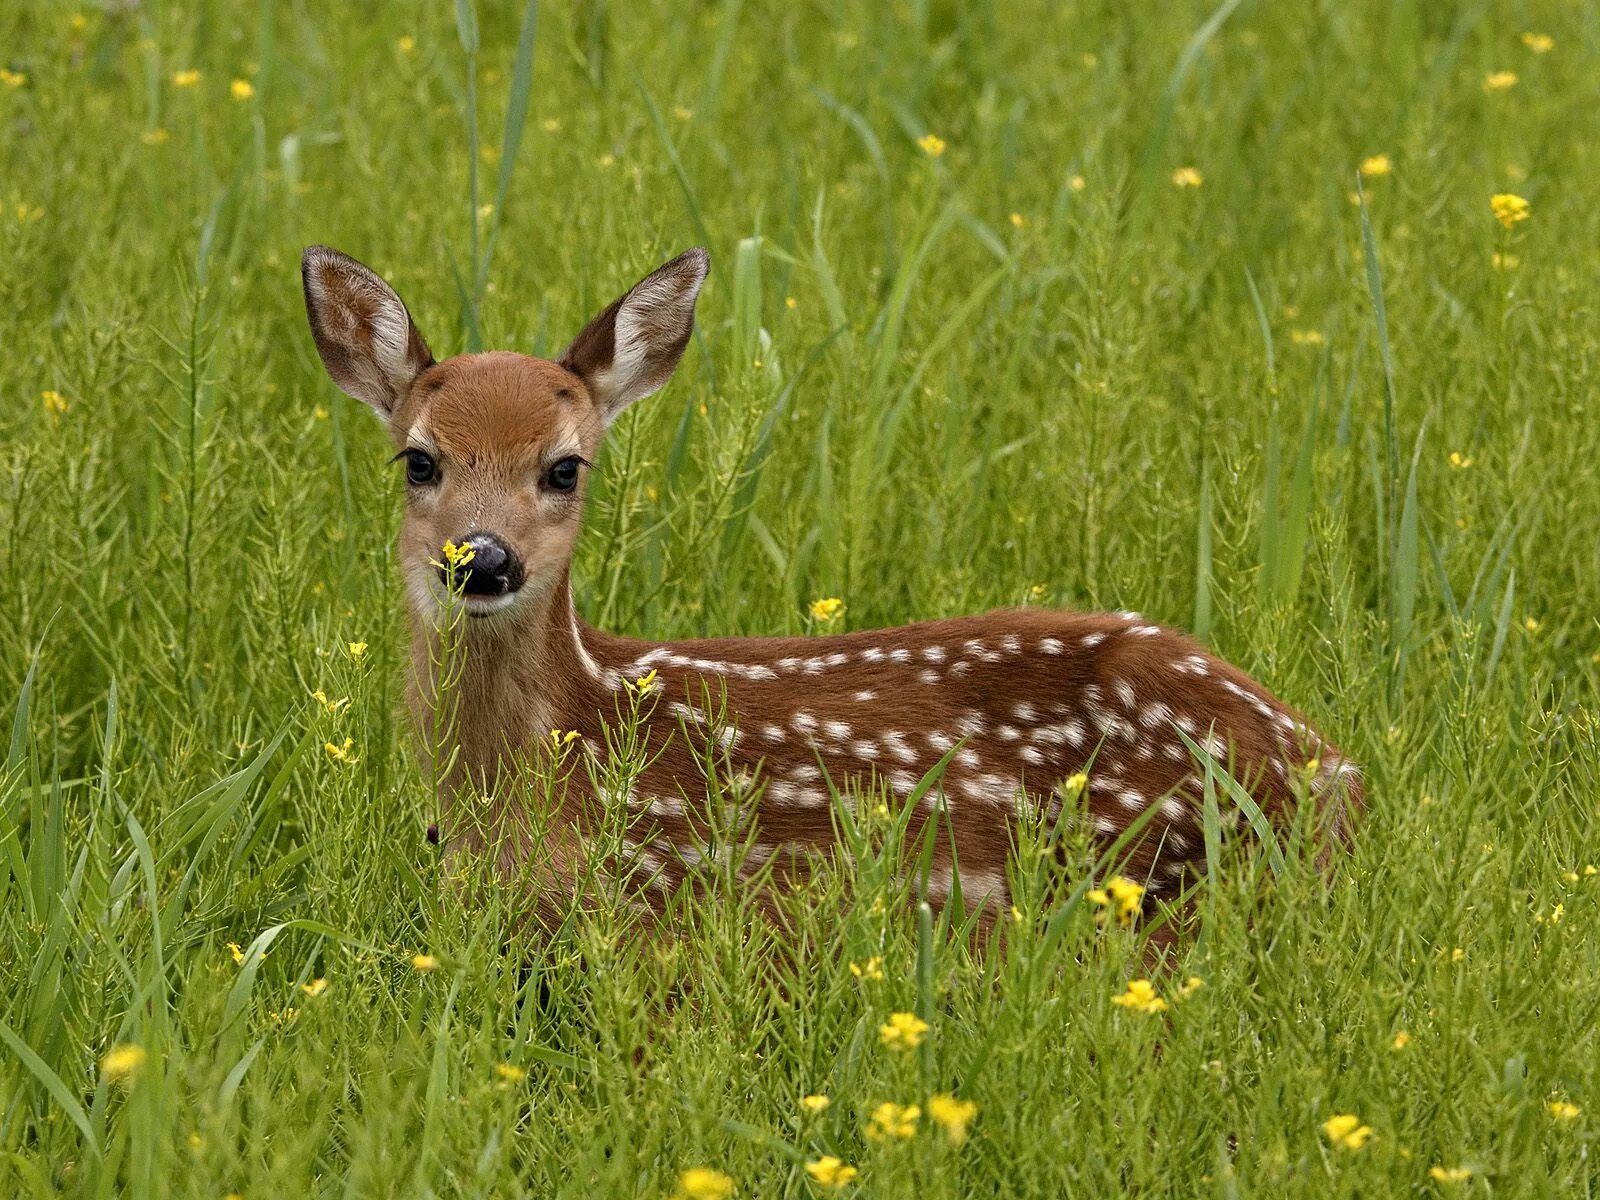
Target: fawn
[{"x": 496, "y": 447}]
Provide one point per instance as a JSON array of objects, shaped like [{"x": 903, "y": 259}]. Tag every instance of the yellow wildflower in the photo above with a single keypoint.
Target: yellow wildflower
[
  {"x": 1074, "y": 784},
  {"x": 54, "y": 403},
  {"x": 829, "y": 1171},
  {"x": 815, "y": 1103},
  {"x": 1459, "y": 460},
  {"x": 1563, "y": 1110},
  {"x": 645, "y": 682},
  {"x": 315, "y": 988},
  {"x": 186, "y": 79},
  {"x": 1190, "y": 986},
  {"x": 241, "y": 89},
  {"x": 510, "y": 1073},
  {"x": 121, "y": 1062},
  {"x": 333, "y": 707},
  {"x": 903, "y": 1031},
  {"x": 1187, "y": 177},
  {"x": 1531, "y": 624},
  {"x": 1449, "y": 1174},
  {"x": 682, "y": 113},
  {"x": 954, "y": 1115},
  {"x": 1375, "y": 165},
  {"x": 424, "y": 962},
  {"x": 1077, "y": 183},
  {"x": 1401, "y": 1040},
  {"x": 1509, "y": 208},
  {"x": 1307, "y": 337},
  {"x": 890, "y": 1121},
  {"x": 791, "y": 303},
  {"x": 457, "y": 556},
  {"x": 1018, "y": 220},
  {"x": 932, "y": 145},
  {"x": 154, "y": 137},
  {"x": 12, "y": 79},
  {"x": 1591, "y": 869},
  {"x": 703, "y": 1183},
  {"x": 1457, "y": 954},
  {"x": 1140, "y": 997},
  {"x": 79, "y": 22},
  {"x": 871, "y": 971},
  {"x": 827, "y": 609},
  {"x": 1499, "y": 81},
  {"x": 1346, "y": 1131},
  {"x": 1539, "y": 43},
  {"x": 1556, "y": 913},
  {"x": 284, "y": 1017},
  {"x": 341, "y": 753},
  {"x": 357, "y": 649},
  {"x": 406, "y": 45},
  {"x": 1127, "y": 896}
]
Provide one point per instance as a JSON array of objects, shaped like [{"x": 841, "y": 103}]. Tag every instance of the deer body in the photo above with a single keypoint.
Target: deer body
[{"x": 1019, "y": 701}]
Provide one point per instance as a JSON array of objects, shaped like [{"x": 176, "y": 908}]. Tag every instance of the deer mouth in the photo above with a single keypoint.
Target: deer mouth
[{"x": 482, "y": 607}]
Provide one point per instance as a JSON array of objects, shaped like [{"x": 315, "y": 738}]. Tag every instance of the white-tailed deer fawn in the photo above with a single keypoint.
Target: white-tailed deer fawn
[{"x": 495, "y": 450}]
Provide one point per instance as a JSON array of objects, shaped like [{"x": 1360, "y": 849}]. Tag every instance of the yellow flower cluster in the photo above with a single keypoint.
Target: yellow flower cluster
[
  {"x": 121, "y": 1062},
  {"x": 703, "y": 1183},
  {"x": 1563, "y": 1110},
  {"x": 1499, "y": 81},
  {"x": 54, "y": 403},
  {"x": 1122, "y": 897},
  {"x": 830, "y": 1171},
  {"x": 952, "y": 1115},
  {"x": 315, "y": 988},
  {"x": 1187, "y": 177},
  {"x": 341, "y": 752},
  {"x": 1140, "y": 995},
  {"x": 891, "y": 1121},
  {"x": 1539, "y": 43},
  {"x": 827, "y": 610},
  {"x": 872, "y": 970},
  {"x": 932, "y": 144},
  {"x": 1376, "y": 165},
  {"x": 903, "y": 1031},
  {"x": 1509, "y": 208},
  {"x": 1346, "y": 1131}
]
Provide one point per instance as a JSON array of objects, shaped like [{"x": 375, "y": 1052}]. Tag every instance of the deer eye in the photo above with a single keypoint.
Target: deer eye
[
  {"x": 563, "y": 477},
  {"x": 420, "y": 467}
]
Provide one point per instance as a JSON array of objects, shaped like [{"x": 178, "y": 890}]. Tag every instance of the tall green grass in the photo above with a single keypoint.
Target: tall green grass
[{"x": 1343, "y": 430}]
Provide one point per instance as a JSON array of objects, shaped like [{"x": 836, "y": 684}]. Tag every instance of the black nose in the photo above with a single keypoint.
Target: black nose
[{"x": 493, "y": 569}]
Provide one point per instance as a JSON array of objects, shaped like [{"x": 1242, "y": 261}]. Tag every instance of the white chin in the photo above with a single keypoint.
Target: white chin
[{"x": 488, "y": 606}]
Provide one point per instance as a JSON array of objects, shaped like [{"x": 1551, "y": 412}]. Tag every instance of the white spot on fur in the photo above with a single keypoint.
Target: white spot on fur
[
  {"x": 929, "y": 676},
  {"x": 1050, "y": 645},
  {"x": 934, "y": 654},
  {"x": 1090, "y": 640}
]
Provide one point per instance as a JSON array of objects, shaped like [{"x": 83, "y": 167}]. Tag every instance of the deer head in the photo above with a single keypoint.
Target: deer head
[{"x": 495, "y": 446}]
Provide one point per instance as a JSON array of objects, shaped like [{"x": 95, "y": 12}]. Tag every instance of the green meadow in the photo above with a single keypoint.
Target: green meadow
[{"x": 1207, "y": 312}]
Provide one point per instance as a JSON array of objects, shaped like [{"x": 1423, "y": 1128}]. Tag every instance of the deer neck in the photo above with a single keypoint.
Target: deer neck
[{"x": 520, "y": 676}]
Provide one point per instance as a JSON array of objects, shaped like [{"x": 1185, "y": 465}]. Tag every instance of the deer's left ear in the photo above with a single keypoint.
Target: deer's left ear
[{"x": 633, "y": 347}]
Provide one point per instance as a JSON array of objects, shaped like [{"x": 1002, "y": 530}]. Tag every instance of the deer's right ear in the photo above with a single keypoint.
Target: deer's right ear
[{"x": 362, "y": 329}]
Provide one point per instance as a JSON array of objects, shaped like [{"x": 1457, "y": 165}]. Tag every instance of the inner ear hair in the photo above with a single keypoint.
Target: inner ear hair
[
  {"x": 631, "y": 349},
  {"x": 363, "y": 332}
]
